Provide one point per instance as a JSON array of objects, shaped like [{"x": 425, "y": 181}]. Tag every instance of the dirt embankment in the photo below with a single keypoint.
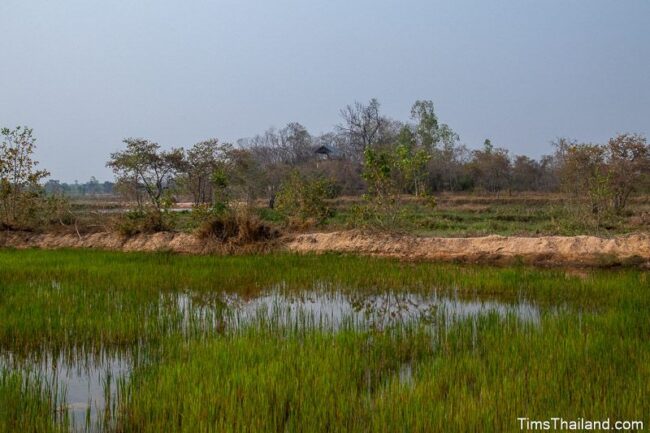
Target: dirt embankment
[
  {"x": 545, "y": 250},
  {"x": 179, "y": 242}
]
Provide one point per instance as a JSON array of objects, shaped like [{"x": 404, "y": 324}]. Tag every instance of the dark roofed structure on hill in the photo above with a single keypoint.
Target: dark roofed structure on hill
[{"x": 327, "y": 152}]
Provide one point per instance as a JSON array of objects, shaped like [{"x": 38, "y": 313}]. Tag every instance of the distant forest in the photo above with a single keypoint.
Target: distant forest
[
  {"x": 367, "y": 155},
  {"x": 91, "y": 188},
  {"x": 419, "y": 156}
]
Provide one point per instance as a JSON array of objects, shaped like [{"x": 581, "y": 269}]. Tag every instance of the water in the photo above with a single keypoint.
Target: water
[
  {"x": 330, "y": 310},
  {"x": 86, "y": 386}
]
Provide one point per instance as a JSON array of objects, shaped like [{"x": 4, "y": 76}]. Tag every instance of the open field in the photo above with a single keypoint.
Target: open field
[
  {"x": 454, "y": 215},
  {"x": 160, "y": 342},
  {"x": 519, "y": 214}
]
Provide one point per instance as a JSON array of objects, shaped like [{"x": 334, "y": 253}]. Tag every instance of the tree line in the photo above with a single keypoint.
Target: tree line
[
  {"x": 381, "y": 157},
  {"x": 92, "y": 188},
  {"x": 367, "y": 154}
]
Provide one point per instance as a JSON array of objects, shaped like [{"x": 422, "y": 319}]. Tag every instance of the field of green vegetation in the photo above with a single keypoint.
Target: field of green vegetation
[
  {"x": 98, "y": 341},
  {"x": 454, "y": 215},
  {"x": 458, "y": 215},
  {"x": 461, "y": 215}
]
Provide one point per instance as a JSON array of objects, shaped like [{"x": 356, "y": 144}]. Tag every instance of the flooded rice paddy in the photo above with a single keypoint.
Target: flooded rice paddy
[
  {"x": 109, "y": 342},
  {"x": 85, "y": 385}
]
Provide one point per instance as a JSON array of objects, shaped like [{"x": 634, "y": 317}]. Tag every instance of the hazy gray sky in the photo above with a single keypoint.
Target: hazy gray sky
[{"x": 87, "y": 73}]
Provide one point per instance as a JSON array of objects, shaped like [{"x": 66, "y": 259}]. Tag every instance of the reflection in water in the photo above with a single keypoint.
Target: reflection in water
[
  {"x": 83, "y": 386},
  {"x": 88, "y": 384},
  {"x": 332, "y": 310}
]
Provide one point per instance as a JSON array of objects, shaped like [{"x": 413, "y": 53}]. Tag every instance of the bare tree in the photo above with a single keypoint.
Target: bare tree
[
  {"x": 297, "y": 142},
  {"x": 290, "y": 145},
  {"x": 361, "y": 126}
]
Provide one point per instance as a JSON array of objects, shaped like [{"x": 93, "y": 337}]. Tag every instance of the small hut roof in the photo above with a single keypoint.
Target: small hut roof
[{"x": 327, "y": 150}]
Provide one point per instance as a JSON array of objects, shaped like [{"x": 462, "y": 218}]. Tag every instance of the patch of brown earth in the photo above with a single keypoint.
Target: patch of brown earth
[
  {"x": 545, "y": 250},
  {"x": 164, "y": 241}
]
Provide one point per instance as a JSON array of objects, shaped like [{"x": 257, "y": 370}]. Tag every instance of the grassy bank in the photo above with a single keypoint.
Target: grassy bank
[{"x": 586, "y": 355}]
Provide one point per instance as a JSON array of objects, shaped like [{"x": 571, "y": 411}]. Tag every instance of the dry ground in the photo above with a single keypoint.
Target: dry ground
[{"x": 543, "y": 250}]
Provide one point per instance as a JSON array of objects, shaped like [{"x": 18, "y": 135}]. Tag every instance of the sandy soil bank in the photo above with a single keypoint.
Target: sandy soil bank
[
  {"x": 544, "y": 250},
  {"x": 164, "y": 241}
]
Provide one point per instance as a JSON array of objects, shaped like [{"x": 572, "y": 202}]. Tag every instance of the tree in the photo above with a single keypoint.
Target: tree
[
  {"x": 20, "y": 189},
  {"x": 362, "y": 126},
  {"x": 201, "y": 163},
  {"x": 411, "y": 161},
  {"x": 628, "y": 164},
  {"x": 446, "y": 169},
  {"x": 605, "y": 174},
  {"x": 378, "y": 172},
  {"x": 93, "y": 186},
  {"x": 290, "y": 145},
  {"x": 297, "y": 143},
  {"x": 143, "y": 166},
  {"x": 430, "y": 134},
  {"x": 343, "y": 171},
  {"x": 548, "y": 173},
  {"x": 245, "y": 175},
  {"x": 429, "y": 131},
  {"x": 427, "y": 123},
  {"x": 584, "y": 174},
  {"x": 491, "y": 167},
  {"x": 526, "y": 174}
]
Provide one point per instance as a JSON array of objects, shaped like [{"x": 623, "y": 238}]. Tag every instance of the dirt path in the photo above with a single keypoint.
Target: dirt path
[{"x": 545, "y": 250}]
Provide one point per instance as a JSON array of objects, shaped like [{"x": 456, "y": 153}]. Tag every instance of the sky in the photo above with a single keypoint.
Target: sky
[{"x": 86, "y": 74}]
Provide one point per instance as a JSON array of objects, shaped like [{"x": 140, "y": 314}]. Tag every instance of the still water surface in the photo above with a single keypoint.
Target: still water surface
[{"x": 86, "y": 386}]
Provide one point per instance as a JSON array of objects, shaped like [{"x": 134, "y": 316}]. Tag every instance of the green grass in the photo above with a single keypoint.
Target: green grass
[
  {"x": 498, "y": 217},
  {"x": 350, "y": 381},
  {"x": 589, "y": 355},
  {"x": 462, "y": 215},
  {"x": 27, "y": 404}
]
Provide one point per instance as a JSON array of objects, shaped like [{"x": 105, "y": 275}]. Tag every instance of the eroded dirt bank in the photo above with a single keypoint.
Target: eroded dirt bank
[
  {"x": 545, "y": 250},
  {"x": 164, "y": 241}
]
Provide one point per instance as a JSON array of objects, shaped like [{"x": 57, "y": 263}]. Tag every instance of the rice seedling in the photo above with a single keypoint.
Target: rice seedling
[
  {"x": 28, "y": 404},
  {"x": 316, "y": 343}
]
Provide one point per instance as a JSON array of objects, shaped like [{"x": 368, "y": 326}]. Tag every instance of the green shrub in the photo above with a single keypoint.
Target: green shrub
[
  {"x": 148, "y": 220},
  {"x": 302, "y": 198}
]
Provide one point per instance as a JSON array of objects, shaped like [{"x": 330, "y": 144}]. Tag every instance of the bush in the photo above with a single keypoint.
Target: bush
[
  {"x": 370, "y": 216},
  {"x": 36, "y": 211},
  {"x": 236, "y": 227},
  {"x": 203, "y": 212},
  {"x": 144, "y": 221},
  {"x": 301, "y": 198}
]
